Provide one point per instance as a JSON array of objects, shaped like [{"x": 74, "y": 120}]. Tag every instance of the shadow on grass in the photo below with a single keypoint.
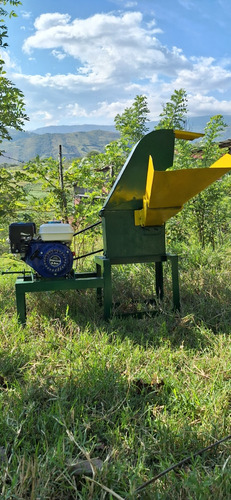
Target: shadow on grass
[
  {"x": 59, "y": 416},
  {"x": 202, "y": 316},
  {"x": 205, "y": 305},
  {"x": 11, "y": 365}
]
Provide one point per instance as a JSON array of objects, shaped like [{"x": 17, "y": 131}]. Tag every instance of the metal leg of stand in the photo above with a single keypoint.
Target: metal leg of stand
[
  {"x": 99, "y": 290},
  {"x": 21, "y": 304},
  {"x": 175, "y": 282},
  {"x": 107, "y": 288},
  {"x": 159, "y": 280}
]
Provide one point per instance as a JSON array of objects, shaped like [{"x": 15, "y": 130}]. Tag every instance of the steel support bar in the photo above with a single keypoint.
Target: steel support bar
[
  {"x": 175, "y": 281},
  {"x": 101, "y": 279},
  {"x": 30, "y": 284},
  {"x": 103, "y": 266},
  {"x": 159, "y": 280}
]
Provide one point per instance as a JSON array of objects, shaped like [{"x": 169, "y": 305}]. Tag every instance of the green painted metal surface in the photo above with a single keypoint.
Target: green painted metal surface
[
  {"x": 125, "y": 242},
  {"x": 105, "y": 265},
  {"x": 32, "y": 283},
  {"x": 129, "y": 188}
]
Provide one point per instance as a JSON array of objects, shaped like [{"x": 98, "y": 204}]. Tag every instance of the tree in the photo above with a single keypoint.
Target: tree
[
  {"x": 57, "y": 197},
  {"x": 132, "y": 122},
  {"x": 175, "y": 111},
  {"x": 12, "y": 115},
  {"x": 96, "y": 173},
  {"x": 12, "y": 111},
  {"x": 3, "y": 14},
  {"x": 10, "y": 192},
  {"x": 205, "y": 217},
  {"x": 211, "y": 207},
  {"x": 12, "y": 107}
]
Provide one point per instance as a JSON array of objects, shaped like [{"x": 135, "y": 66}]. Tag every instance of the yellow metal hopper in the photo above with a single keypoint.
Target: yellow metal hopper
[{"x": 166, "y": 192}]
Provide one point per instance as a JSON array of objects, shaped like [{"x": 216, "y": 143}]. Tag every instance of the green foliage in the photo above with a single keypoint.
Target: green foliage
[
  {"x": 175, "y": 111},
  {"x": 206, "y": 217},
  {"x": 86, "y": 176},
  {"x": 3, "y": 14},
  {"x": 95, "y": 174},
  {"x": 12, "y": 114},
  {"x": 12, "y": 193},
  {"x": 56, "y": 199},
  {"x": 209, "y": 211},
  {"x": 132, "y": 122},
  {"x": 12, "y": 108},
  {"x": 211, "y": 150}
]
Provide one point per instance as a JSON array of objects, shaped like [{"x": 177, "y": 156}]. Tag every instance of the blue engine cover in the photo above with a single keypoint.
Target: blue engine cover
[{"x": 50, "y": 260}]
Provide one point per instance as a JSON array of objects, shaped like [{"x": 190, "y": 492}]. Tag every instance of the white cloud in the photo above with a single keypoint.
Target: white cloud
[
  {"x": 118, "y": 50},
  {"x": 74, "y": 110},
  {"x": 107, "y": 46},
  {"x": 204, "y": 76},
  {"x": 44, "y": 115},
  {"x": 59, "y": 55},
  {"x": 207, "y": 105},
  {"x": 99, "y": 111},
  {"x": 187, "y": 4},
  {"x": 26, "y": 14},
  {"x": 10, "y": 65},
  {"x": 49, "y": 21},
  {"x": 130, "y": 5},
  {"x": 115, "y": 56},
  {"x": 111, "y": 109}
]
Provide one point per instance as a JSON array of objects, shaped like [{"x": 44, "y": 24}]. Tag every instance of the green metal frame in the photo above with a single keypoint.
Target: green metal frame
[
  {"x": 101, "y": 279},
  {"x": 104, "y": 266},
  {"x": 32, "y": 283}
]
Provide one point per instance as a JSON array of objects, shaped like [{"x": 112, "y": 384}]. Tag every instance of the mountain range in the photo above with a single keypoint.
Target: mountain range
[
  {"x": 77, "y": 140},
  {"x": 25, "y": 146}
]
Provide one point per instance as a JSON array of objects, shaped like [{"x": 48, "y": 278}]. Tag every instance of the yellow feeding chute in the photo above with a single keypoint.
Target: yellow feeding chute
[
  {"x": 166, "y": 192},
  {"x": 187, "y": 136}
]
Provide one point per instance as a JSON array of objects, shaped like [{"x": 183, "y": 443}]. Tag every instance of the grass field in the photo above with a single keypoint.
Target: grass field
[{"x": 137, "y": 394}]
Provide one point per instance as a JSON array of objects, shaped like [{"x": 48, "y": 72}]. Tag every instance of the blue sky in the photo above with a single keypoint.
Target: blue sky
[{"x": 84, "y": 61}]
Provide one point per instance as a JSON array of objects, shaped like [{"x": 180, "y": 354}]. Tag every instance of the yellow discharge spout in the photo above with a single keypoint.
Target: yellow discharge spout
[{"x": 167, "y": 192}]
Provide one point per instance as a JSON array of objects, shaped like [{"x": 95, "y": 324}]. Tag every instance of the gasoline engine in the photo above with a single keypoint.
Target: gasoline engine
[{"x": 48, "y": 253}]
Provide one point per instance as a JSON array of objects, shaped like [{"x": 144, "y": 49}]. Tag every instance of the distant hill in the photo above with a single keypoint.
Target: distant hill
[
  {"x": 27, "y": 145},
  {"x": 68, "y": 129},
  {"x": 78, "y": 140},
  {"x": 198, "y": 123}
]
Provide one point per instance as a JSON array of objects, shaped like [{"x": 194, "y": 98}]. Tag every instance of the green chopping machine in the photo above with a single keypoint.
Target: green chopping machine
[{"x": 144, "y": 196}]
